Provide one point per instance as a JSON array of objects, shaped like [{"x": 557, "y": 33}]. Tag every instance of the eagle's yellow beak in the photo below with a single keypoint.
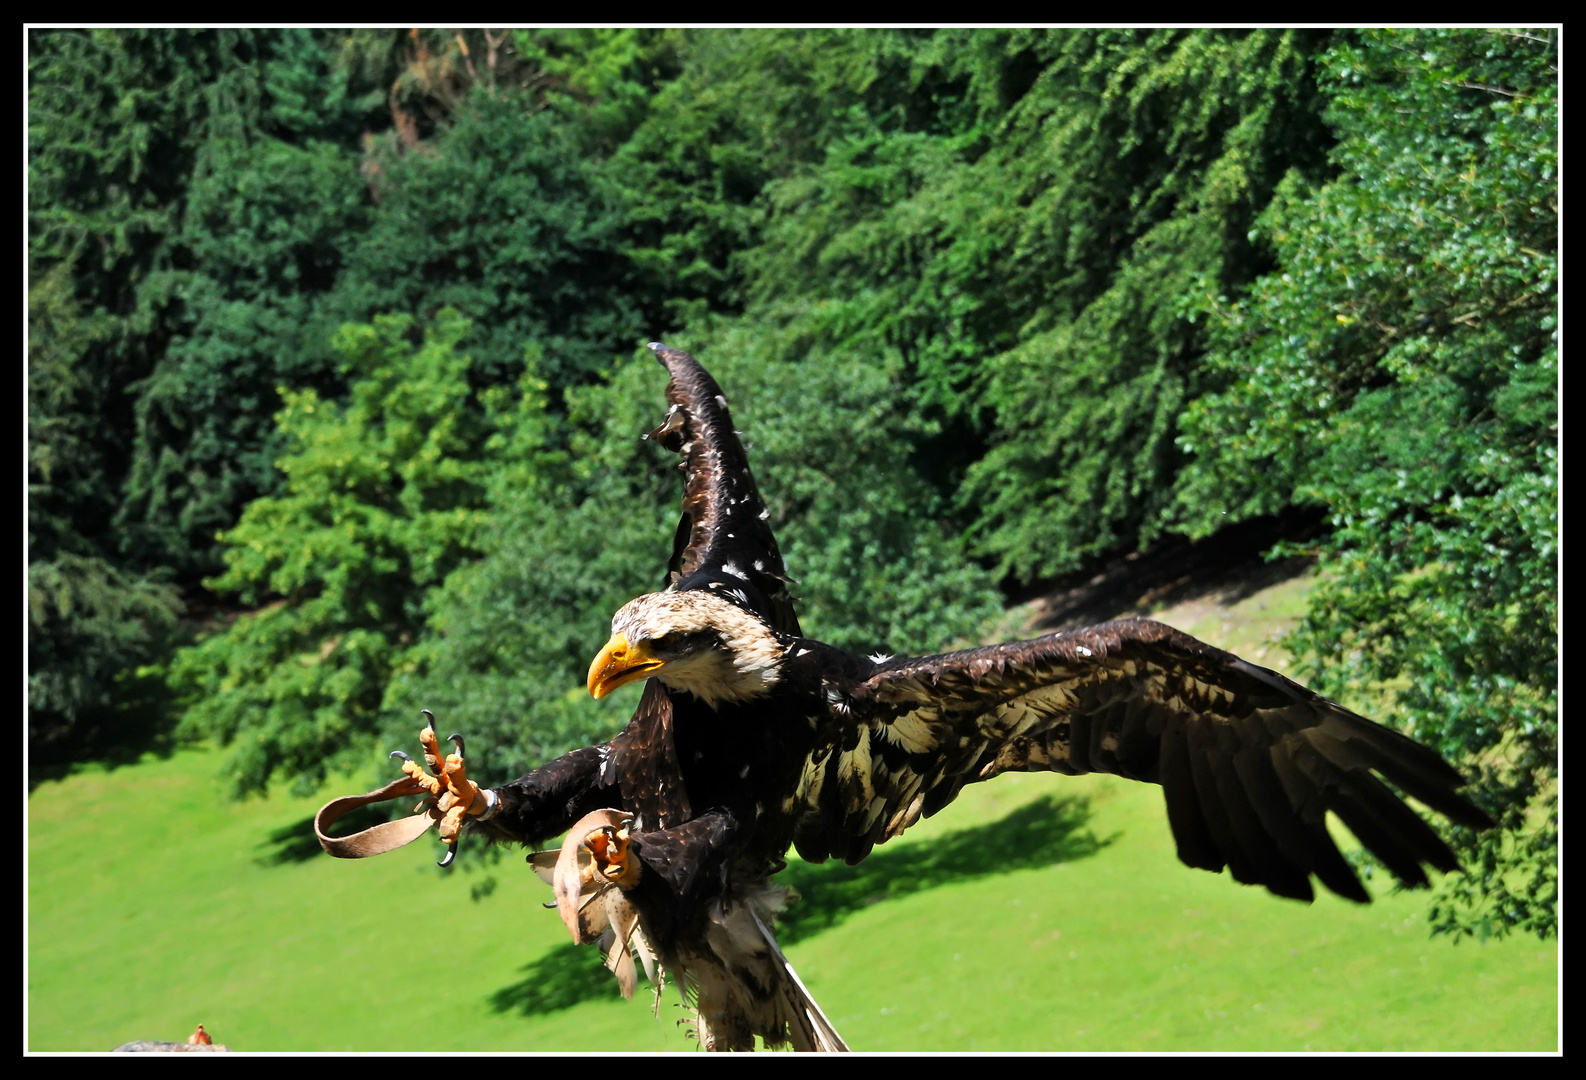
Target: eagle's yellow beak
[{"x": 619, "y": 664}]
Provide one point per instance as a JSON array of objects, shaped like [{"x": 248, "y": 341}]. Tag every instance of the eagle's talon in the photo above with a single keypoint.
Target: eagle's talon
[
  {"x": 450, "y": 796},
  {"x": 612, "y": 853},
  {"x": 451, "y": 853}
]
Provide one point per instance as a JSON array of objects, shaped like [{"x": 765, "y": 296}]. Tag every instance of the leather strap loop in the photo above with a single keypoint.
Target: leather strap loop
[{"x": 378, "y": 839}]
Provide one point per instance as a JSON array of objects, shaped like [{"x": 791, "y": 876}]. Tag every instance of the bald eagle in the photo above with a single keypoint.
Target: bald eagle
[{"x": 751, "y": 739}]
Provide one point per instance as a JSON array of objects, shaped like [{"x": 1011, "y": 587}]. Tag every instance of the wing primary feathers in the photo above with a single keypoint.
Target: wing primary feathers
[
  {"x": 1250, "y": 762},
  {"x": 1362, "y": 820},
  {"x": 1343, "y": 793},
  {"x": 1405, "y": 825},
  {"x": 1310, "y": 811},
  {"x": 1273, "y": 867},
  {"x": 1270, "y": 801},
  {"x": 1418, "y": 771},
  {"x": 1196, "y": 845},
  {"x": 1202, "y": 747}
]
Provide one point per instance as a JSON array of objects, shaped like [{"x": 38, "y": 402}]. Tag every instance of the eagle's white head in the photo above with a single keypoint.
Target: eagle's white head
[{"x": 691, "y": 640}]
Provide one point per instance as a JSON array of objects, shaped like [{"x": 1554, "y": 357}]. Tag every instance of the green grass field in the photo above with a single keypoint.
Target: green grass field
[{"x": 1037, "y": 913}]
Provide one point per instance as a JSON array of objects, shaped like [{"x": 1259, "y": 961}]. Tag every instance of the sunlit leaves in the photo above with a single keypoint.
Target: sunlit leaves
[{"x": 380, "y": 500}]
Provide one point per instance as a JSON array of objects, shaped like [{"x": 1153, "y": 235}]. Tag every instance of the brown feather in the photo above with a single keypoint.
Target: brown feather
[
  {"x": 1250, "y": 761},
  {"x": 723, "y": 529}
]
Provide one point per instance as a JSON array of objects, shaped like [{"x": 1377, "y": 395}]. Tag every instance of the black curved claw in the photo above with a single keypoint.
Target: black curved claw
[
  {"x": 451, "y": 853},
  {"x": 458, "y": 739},
  {"x": 429, "y": 716},
  {"x": 400, "y": 754}
]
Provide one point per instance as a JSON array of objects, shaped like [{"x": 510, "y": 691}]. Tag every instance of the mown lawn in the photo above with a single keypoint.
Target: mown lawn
[{"x": 1037, "y": 913}]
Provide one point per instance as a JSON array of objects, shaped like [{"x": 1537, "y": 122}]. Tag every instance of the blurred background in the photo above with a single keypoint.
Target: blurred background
[{"x": 335, "y": 388}]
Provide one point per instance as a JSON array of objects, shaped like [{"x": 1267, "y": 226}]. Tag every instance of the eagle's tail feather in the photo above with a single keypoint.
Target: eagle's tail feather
[{"x": 808, "y": 1028}]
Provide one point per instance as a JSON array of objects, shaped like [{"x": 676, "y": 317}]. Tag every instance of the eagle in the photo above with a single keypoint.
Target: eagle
[{"x": 751, "y": 740}]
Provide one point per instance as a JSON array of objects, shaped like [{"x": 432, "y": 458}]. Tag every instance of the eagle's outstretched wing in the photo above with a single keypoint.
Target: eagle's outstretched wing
[
  {"x": 1250, "y": 761},
  {"x": 724, "y": 538}
]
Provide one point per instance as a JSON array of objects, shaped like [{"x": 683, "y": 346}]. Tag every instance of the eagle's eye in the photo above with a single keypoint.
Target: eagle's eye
[{"x": 663, "y": 642}]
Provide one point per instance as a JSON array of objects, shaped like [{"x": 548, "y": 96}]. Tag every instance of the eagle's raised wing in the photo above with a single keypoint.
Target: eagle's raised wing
[
  {"x": 723, "y": 543},
  {"x": 724, "y": 538},
  {"x": 1250, "y": 761}
]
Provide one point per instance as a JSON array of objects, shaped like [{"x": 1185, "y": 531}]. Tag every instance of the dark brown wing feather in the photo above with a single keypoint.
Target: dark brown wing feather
[
  {"x": 547, "y": 801},
  {"x": 1250, "y": 761},
  {"x": 724, "y": 532}
]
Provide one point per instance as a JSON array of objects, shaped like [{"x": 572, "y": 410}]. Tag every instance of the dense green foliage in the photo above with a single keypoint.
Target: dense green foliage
[
  {"x": 382, "y": 499},
  {"x": 87, "y": 621},
  {"x": 1024, "y": 249},
  {"x": 201, "y": 206},
  {"x": 111, "y": 147},
  {"x": 506, "y": 224},
  {"x": 1402, "y": 372},
  {"x": 337, "y": 330}
]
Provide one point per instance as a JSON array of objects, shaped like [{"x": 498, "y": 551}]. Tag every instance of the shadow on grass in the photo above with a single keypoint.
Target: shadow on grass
[
  {"x": 568, "y": 975},
  {"x": 1048, "y": 831},
  {"x": 297, "y": 843},
  {"x": 141, "y": 721}
]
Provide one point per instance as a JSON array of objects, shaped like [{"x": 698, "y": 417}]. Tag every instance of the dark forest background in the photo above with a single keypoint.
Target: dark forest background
[{"x": 335, "y": 387}]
